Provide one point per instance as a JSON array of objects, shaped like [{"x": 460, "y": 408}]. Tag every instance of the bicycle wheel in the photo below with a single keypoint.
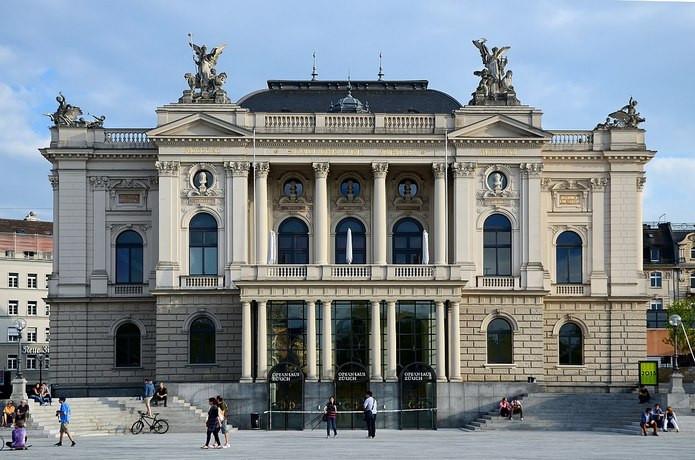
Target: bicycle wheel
[
  {"x": 161, "y": 426},
  {"x": 137, "y": 427}
]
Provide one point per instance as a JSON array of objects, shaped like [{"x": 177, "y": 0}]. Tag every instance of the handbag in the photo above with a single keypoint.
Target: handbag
[{"x": 324, "y": 418}]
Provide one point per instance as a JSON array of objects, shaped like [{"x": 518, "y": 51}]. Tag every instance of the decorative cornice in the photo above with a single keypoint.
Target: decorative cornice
[
  {"x": 531, "y": 169},
  {"x": 53, "y": 179},
  {"x": 439, "y": 170},
  {"x": 464, "y": 169},
  {"x": 237, "y": 168},
  {"x": 99, "y": 182},
  {"x": 320, "y": 170},
  {"x": 380, "y": 169},
  {"x": 167, "y": 168},
  {"x": 598, "y": 184},
  {"x": 262, "y": 168}
]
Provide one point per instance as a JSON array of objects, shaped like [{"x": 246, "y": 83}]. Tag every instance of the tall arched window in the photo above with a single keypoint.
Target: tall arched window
[
  {"x": 568, "y": 257},
  {"x": 128, "y": 345},
  {"x": 571, "y": 345},
  {"x": 359, "y": 241},
  {"x": 497, "y": 246},
  {"x": 129, "y": 258},
  {"x": 202, "y": 245},
  {"x": 407, "y": 242},
  {"x": 499, "y": 342},
  {"x": 201, "y": 349},
  {"x": 293, "y": 242}
]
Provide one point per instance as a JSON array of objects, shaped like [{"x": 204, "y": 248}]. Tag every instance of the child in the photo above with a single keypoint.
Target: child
[{"x": 19, "y": 437}]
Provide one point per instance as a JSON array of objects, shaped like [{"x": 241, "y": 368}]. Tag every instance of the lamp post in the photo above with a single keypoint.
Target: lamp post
[
  {"x": 41, "y": 357},
  {"x": 675, "y": 321},
  {"x": 20, "y": 325}
]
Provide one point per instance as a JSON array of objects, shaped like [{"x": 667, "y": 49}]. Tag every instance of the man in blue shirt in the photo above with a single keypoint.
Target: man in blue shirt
[
  {"x": 63, "y": 414},
  {"x": 647, "y": 421},
  {"x": 149, "y": 393}
]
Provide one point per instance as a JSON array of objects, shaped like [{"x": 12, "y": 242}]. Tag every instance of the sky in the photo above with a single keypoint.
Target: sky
[{"x": 575, "y": 60}]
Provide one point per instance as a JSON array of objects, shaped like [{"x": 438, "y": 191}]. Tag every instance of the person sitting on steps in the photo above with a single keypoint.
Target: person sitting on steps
[
  {"x": 19, "y": 437},
  {"x": 659, "y": 416},
  {"x": 671, "y": 421},
  {"x": 644, "y": 395},
  {"x": 647, "y": 421},
  {"x": 517, "y": 408},
  {"x": 160, "y": 395},
  {"x": 505, "y": 408}
]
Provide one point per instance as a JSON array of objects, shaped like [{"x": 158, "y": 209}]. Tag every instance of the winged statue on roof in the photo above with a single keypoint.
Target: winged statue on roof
[
  {"x": 206, "y": 84},
  {"x": 626, "y": 117},
  {"x": 71, "y": 115},
  {"x": 495, "y": 87}
]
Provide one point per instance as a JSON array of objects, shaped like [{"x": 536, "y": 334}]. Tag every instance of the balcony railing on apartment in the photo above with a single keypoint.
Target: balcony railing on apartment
[
  {"x": 497, "y": 282},
  {"x": 201, "y": 282},
  {"x": 570, "y": 289},
  {"x": 128, "y": 290}
]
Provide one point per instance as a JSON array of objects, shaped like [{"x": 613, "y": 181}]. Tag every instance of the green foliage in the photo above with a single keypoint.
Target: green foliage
[{"x": 685, "y": 308}]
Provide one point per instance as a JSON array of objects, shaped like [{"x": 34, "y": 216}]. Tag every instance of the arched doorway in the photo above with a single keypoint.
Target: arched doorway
[
  {"x": 286, "y": 394},
  {"x": 418, "y": 397},
  {"x": 351, "y": 384}
]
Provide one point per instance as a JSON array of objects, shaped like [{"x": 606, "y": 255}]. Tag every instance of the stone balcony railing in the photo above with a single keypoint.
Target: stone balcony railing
[
  {"x": 128, "y": 290},
  {"x": 497, "y": 282},
  {"x": 127, "y": 138},
  {"x": 570, "y": 289},
  {"x": 201, "y": 282},
  {"x": 349, "y": 272},
  {"x": 571, "y": 140}
]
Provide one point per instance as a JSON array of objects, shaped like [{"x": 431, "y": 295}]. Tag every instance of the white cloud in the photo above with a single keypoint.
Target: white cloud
[
  {"x": 17, "y": 138},
  {"x": 670, "y": 189}
]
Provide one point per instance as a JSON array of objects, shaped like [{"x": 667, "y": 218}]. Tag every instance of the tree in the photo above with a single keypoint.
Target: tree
[{"x": 684, "y": 308}]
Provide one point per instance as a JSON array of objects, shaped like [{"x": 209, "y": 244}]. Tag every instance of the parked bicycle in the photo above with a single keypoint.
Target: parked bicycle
[{"x": 158, "y": 425}]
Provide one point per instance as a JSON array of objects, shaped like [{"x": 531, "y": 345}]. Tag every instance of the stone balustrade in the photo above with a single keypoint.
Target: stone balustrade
[
  {"x": 127, "y": 138},
  {"x": 128, "y": 290},
  {"x": 570, "y": 289},
  {"x": 497, "y": 282},
  {"x": 333, "y": 272},
  {"x": 201, "y": 282}
]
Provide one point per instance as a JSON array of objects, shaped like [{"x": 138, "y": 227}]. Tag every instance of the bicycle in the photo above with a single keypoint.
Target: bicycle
[{"x": 158, "y": 425}]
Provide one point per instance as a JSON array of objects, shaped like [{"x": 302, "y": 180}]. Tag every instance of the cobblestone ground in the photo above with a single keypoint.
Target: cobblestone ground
[{"x": 429, "y": 445}]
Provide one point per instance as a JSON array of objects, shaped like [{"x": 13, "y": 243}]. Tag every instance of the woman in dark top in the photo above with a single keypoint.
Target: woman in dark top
[
  {"x": 213, "y": 425},
  {"x": 330, "y": 412}
]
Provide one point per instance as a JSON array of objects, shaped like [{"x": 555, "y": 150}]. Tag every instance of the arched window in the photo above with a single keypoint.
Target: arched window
[
  {"x": 201, "y": 349},
  {"x": 128, "y": 345},
  {"x": 129, "y": 258},
  {"x": 407, "y": 242},
  {"x": 202, "y": 245},
  {"x": 497, "y": 246},
  {"x": 359, "y": 241},
  {"x": 568, "y": 257},
  {"x": 499, "y": 342},
  {"x": 571, "y": 345},
  {"x": 293, "y": 242}
]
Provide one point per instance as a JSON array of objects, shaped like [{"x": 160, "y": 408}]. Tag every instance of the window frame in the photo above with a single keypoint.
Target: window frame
[
  {"x": 411, "y": 252},
  {"x": 210, "y": 334},
  {"x": 569, "y": 253},
  {"x": 654, "y": 254},
  {"x": 655, "y": 280},
  {"x": 12, "y": 307},
  {"x": 32, "y": 332},
  {"x": 13, "y": 280},
  {"x": 569, "y": 353},
  {"x": 133, "y": 250},
  {"x": 497, "y": 247},
  {"x": 118, "y": 341},
  {"x": 204, "y": 233},
  {"x": 32, "y": 281},
  {"x": 490, "y": 332},
  {"x": 12, "y": 362},
  {"x": 32, "y": 308},
  {"x": 12, "y": 338},
  {"x": 340, "y": 242},
  {"x": 293, "y": 247}
]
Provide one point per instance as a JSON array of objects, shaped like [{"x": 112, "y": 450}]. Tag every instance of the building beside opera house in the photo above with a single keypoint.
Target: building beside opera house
[{"x": 328, "y": 237}]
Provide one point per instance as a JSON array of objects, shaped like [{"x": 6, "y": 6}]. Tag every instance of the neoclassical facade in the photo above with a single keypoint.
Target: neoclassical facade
[{"x": 329, "y": 236}]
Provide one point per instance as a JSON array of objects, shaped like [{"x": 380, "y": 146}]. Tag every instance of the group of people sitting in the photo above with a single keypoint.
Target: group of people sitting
[
  {"x": 16, "y": 416},
  {"x": 656, "y": 418},
  {"x": 42, "y": 394},
  {"x": 508, "y": 409}
]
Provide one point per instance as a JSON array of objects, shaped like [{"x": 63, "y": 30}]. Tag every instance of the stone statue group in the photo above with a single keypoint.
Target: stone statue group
[
  {"x": 206, "y": 84},
  {"x": 71, "y": 116},
  {"x": 495, "y": 87}
]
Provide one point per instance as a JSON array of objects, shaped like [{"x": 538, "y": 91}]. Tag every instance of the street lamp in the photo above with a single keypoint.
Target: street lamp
[
  {"x": 675, "y": 321},
  {"x": 20, "y": 325},
  {"x": 41, "y": 357}
]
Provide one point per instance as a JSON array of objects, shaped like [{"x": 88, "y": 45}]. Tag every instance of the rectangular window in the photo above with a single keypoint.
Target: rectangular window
[
  {"x": 12, "y": 334},
  {"x": 654, "y": 254},
  {"x": 32, "y": 282},
  {"x": 31, "y": 334},
  {"x": 12, "y": 361},
  {"x": 287, "y": 332},
  {"x": 48, "y": 334},
  {"x": 692, "y": 252},
  {"x": 48, "y": 309},
  {"x": 13, "y": 307},
  {"x": 656, "y": 319},
  {"x": 31, "y": 362},
  {"x": 47, "y": 363},
  {"x": 656, "y": 304},
  {"x": 692, "y": 280},
  {"x": 13, "y": 280},
  {"x": 29, "y": 254},
  {"x": 655, "y": 279},
  {"x": 31, "y": 308},
  {"x": 416, "y": 332}
]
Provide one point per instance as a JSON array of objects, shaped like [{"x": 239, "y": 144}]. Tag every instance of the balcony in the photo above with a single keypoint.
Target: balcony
[
  {"x": 571, "y": 140},
  {"x": 201, "y": 282},
  {"x": 128, "y": 290},
  {"x": 349, "y": 272},
  {"x": 570, "y": 289},
  {"x": 497, "y": 282}
]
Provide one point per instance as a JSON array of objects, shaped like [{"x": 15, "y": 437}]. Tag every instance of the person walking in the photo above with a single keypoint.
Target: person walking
[
  {"x": 370, "y": 414},
  {"x": 148, "y": 393},
  {"x": 213, "y": 425},
  {"x": 223, "y": 420},
  {"x": 330, "y": 413},
  {"x": 63, "y": 414}
]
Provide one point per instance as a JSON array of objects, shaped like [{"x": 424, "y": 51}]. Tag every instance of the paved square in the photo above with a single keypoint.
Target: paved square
[{"x": 388, "y": 444}]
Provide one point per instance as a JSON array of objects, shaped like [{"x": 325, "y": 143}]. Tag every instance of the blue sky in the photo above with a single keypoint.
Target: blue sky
[{"x": 575, "y": 60}]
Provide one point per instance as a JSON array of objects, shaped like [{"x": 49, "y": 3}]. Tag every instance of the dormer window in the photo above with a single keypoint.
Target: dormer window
[{"x": 654, "y": 254}]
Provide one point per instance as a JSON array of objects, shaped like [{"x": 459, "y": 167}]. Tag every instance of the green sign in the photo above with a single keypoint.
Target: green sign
[{"x": 648, "y": 372}]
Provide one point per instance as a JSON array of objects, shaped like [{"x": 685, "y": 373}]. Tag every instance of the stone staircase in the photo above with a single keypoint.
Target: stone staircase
[
  {"x": 112, "y": 415},
  {"x": 607, "y": 412}
]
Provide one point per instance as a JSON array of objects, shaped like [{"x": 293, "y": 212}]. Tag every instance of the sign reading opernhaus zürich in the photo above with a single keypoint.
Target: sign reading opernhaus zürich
[{"x": 317, "y": 223}]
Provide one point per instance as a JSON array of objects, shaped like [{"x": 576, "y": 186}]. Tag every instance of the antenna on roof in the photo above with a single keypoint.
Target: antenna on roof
[
  {"x": 314, "y": 73},
  {"x": 381, "y": 70}
]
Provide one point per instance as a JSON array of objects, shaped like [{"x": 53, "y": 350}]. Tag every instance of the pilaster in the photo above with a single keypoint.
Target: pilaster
[
  {"x": 168, "y": 263},
  {"x": 320, "y": 213},
  {"x": 261, "y": 211},
  {"x": 439, "y": 170},
  {"x": 379, "y": 217}
]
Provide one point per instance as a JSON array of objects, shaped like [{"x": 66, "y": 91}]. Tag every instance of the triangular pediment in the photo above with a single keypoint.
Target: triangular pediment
[
  {"x": 500, "y": 127},
  {"x": 198, "y": 125}
]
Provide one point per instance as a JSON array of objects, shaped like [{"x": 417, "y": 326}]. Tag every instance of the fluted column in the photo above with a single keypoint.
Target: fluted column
[
  {"x": 229, "y": 214},
  {"x": 464, "y": 218},
  {"x": 261, "y": 211},
  {"x": 99, "y": 278},
  {"x": 327, "y": 342},
  {"x": 599, "y": 277},
  {"x": 168, "y": 237},
  {"x": 240, "y": 199},
  {"x": 379, "y": 210},
  {"x": 311, "y": 341},
  {"x": 455, "y": 342},
  {"x": 375, "y": 342},
  {"x": 246, "y": 342},
  {"x": 391, "y": 334},
  {"x": 532, "y": 261},
  {"x": 320, "y": 213},
  {"x": 262, "y": 340},
  {"x": 439, "y": 170},
  {"x": 441, "y": 342}
]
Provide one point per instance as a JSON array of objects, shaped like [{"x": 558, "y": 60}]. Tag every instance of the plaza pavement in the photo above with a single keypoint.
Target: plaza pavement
[{"x": 389, "y": 444}]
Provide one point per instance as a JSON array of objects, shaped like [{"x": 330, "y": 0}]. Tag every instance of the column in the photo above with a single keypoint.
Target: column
[
  {"x": 260, "y": 202},
  {"x": 379, "y": 210},
  {"x": 441, "y": 342},
  {"x": 320, "y": 213},
  {"x": 439, "y": 170},
  {"x": 262, "y": 341},
  {"x": 375, "y": 342},
  {"x": 327, "y": 342},
  {"x": 464, "y": 220},
  {"x": 53, "y": 179},
  {"x": 531, "y": 236},
  {"x": 392, "y": 361},
  {"x": 311, "y": 341},
  {"x": 228, "y": 213},
  {"x": 240, "y": 173},
  {"x": 99, "y": 278},
  {"x": 246, "y": 342},
  {"x": 168, "y": 209},
  {"x": 599, "y": 278},
  {"x": 455, "y": 342}
]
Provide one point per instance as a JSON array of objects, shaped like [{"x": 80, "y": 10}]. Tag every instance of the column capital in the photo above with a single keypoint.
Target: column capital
[
  {"x": 321, "y": 170},
  {"x": 531, "y": 169},
  {"x": 464, "y": 169},
  {"x": 53, "y": 179},
  {"x": 439, "y": 170},
  {"x": 261, "y": 169},
  {"x": 167, "y": 168},
  {"x": 237, "y": 168},
  {"x": 380, "y": 169},
  {"x": 99, "y": 182},
  {"x": 598, "y": 184}
]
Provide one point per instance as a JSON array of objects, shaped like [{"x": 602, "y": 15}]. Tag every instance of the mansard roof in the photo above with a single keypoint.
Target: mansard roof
[{"x": 317, "y": 96}]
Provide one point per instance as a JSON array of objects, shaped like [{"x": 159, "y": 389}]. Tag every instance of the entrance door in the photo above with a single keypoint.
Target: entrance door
[
  {"x": 286, "y": 392},
  {"x": 351, "y": 384},
  {"x": 418, "y": 397}
]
